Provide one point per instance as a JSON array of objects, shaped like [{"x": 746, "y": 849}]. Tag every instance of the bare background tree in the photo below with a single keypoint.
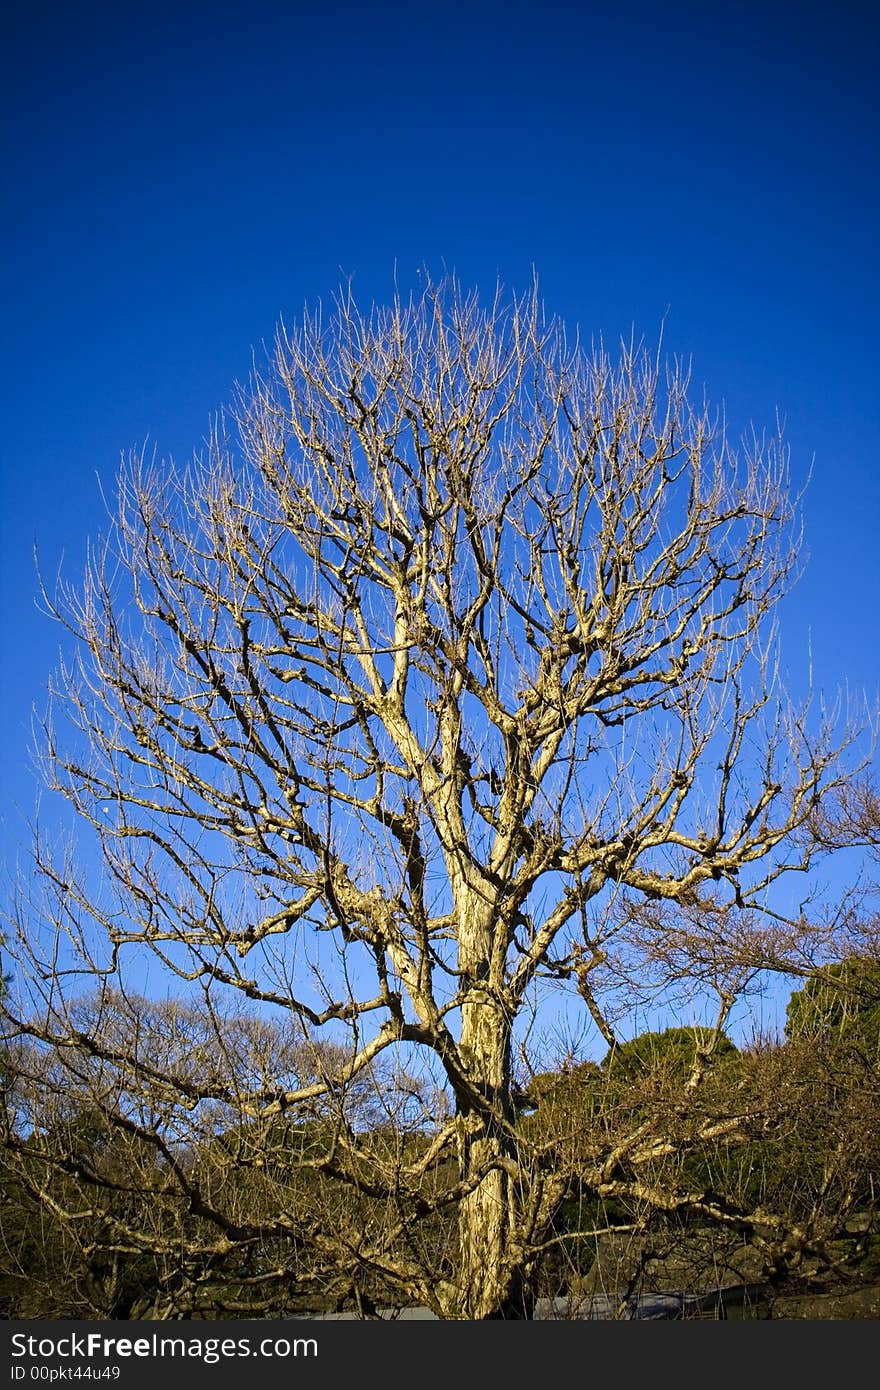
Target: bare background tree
[{"x": 436, "y": 698}]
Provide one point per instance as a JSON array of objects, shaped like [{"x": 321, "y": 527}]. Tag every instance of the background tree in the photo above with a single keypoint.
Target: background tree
[
  {"x": 441, "y": 692},
  {"x": 675, "y": 1052},
  {"x": 841, "y": 1001}
]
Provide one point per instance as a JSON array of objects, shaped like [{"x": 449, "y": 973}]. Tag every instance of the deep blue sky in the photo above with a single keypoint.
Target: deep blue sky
[{"x": 175, "y": 179}]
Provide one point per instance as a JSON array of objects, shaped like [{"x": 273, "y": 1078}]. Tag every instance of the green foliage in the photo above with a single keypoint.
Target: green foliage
[
  {"x": 671, "y": 1053},
  {"x": 566, "y": 1087},
  {"x": 840, "y": 1002}
]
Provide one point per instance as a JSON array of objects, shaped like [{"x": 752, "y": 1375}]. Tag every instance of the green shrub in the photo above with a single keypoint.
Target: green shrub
[
  {"x": 840, "y": 1002},
  {"x": 670, "y": 1053}
]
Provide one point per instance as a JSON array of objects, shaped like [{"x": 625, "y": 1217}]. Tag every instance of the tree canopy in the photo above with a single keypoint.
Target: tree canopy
[{"x": 840, "y": 1001}]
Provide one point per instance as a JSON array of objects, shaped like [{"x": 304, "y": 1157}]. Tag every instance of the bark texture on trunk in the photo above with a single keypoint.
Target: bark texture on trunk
[{"x": 486, "y": 1214}]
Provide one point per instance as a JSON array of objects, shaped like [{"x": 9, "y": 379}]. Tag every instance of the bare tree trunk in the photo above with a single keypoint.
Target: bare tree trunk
[
  {"x": 485, "y": 1213},
  {"x": 486, "y": 1144}
]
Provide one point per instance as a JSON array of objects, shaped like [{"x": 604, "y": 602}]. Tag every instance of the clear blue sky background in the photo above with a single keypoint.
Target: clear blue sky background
[{"x": 176, "y": 178}]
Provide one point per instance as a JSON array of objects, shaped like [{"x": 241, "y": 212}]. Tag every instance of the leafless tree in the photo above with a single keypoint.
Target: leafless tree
[{"x": 435, "y": 698}]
